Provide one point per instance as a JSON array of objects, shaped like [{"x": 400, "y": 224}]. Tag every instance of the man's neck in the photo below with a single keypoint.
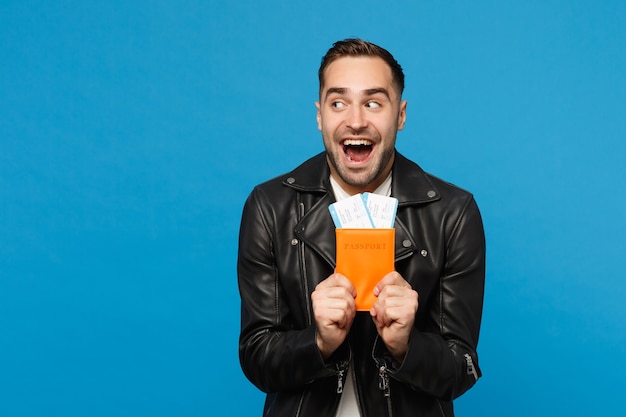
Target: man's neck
[
  {"x": 353, "y": 190},
  {"x": 340, "y": 193}
]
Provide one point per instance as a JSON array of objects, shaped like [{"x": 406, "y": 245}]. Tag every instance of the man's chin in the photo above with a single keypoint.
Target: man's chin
[{"x": 359, "y": 180}]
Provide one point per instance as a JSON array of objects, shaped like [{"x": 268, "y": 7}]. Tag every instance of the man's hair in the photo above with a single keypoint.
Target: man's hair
[{"x": 355, "y": 47}]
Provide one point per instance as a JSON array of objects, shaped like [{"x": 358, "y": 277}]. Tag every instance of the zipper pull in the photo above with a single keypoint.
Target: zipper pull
[
  {"x": 340, "y": 374},
  {"x": 471, "y": 370},
  {"x": 383, "y": 380}
]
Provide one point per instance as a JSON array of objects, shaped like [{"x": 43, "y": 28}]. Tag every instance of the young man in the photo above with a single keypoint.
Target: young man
[{"x": 302, "y": 340}]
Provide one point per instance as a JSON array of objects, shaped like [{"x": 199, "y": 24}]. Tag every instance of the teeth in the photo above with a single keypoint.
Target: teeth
[{"x": 357, "y": 142}]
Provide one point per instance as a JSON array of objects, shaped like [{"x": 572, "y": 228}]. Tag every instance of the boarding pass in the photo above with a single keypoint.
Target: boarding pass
[{"x": 365, "y": 210}]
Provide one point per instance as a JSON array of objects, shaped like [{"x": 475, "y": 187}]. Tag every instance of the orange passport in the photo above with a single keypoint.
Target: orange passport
[{"x": 365, "y": 256}]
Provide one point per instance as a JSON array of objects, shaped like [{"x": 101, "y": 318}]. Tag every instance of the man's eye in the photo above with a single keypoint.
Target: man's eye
[
  {"x": 372, "y": 105},
  {"x": 337, "y": 105}
]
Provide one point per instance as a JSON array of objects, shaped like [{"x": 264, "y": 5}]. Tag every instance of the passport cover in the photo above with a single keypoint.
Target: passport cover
[{"x": 365, "y": 256}]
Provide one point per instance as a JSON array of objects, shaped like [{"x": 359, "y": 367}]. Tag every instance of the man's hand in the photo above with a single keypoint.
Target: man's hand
[
  {"x": 394, "y": 313},
  {"x": 334, "y": 309}
]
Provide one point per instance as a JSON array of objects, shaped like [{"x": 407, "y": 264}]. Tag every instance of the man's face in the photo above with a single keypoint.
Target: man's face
[{"x": 359, "y": 114}]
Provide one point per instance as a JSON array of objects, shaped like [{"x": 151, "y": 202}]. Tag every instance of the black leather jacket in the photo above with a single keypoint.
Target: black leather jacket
[{"x": 287, "y": 246}]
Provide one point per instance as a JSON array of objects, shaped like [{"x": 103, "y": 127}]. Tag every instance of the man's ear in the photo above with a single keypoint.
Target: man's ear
[
  {"x": 402, "y": 115},
  {"x": 318, "y": 116}
]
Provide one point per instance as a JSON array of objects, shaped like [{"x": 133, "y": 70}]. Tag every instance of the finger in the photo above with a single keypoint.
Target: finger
[
  {"x": 323, "y": 296},
  {"x": 337, "y": 280},
  {"x": 392, "y": 278},
  {"x": 335, "y": 312},
  {"x": 383, "y": 319},
  {"x": 345, "y": 303},
  {"x": 395, "y": 303},
  {"x": 341, "y": 318},
  {"x": 396, "y": 295},
  {"x": 337, "y": 298},
  {"x": 376, "y": 314}
]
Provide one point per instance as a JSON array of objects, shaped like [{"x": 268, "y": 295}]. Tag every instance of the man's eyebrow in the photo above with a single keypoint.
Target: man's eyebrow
[
  {"x": 335, "y": 90},
  {"x": 366, "y": 93},
  {"x": 374, "y": 91}
]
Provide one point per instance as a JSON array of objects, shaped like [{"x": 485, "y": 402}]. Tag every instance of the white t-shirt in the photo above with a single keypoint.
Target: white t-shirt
[{"x": 348, "y": 405}]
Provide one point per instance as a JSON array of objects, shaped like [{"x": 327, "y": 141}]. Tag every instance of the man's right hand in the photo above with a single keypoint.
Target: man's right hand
[{"x": 334, "y": 309}]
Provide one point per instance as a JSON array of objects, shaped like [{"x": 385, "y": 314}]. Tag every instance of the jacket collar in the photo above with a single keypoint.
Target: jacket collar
[
  {"x": 312, "y": 176},
  {"x": 410, "y": 185}
]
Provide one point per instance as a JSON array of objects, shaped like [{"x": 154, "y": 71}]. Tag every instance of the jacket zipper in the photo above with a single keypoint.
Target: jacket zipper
[
  {"x": 383, "y": 381},
  {"x": 340, "y": 380},
  {"x": 383, "y": 385},
  {"x": 471, "y": 369},
  {"x": 341, "y": 368},
  {"x": 303, "y": 270}
]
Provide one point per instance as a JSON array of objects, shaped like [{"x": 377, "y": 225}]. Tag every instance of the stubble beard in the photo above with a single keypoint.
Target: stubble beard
[{"x": 362, "y": 178}]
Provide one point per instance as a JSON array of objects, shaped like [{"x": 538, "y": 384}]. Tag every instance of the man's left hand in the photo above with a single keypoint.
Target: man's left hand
[{"x": 394, "y": 313}]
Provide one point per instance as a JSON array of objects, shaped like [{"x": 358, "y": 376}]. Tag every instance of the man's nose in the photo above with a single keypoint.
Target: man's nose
[{"x": 357, "y": 119}]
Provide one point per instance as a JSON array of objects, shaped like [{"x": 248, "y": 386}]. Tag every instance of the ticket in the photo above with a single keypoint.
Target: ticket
[
  {"x": 382, "y": 209},
  {"x": 351, "y": 213}
]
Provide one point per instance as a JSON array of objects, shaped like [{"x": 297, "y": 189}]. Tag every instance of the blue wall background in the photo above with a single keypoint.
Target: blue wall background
[{"x": 132, "y": 132}]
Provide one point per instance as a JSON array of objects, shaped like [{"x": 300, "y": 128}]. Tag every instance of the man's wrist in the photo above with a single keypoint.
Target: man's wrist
[{"x": 322, "y": 347}]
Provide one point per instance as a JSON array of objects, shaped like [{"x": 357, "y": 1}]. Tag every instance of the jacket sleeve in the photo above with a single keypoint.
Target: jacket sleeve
[
  {"x": 444, "y": 363},
  {"x": 275, "y": 353}
]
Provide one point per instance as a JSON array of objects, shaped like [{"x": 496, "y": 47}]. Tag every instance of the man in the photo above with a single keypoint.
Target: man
[{"x": 302, "y": 340}]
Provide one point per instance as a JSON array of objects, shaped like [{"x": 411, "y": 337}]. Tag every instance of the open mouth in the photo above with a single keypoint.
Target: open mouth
[{"x": 357, "y": 150}]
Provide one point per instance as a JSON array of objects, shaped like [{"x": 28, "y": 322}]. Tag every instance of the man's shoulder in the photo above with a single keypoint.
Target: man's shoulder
[
  {"x": 311, "y": 174},
  {"x": 416, "y": 183},
  {"x": 447, "y": 186}
]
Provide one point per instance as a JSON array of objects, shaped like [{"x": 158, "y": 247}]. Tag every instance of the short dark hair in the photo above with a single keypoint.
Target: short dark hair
[{"x": 358, "y": 47}]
